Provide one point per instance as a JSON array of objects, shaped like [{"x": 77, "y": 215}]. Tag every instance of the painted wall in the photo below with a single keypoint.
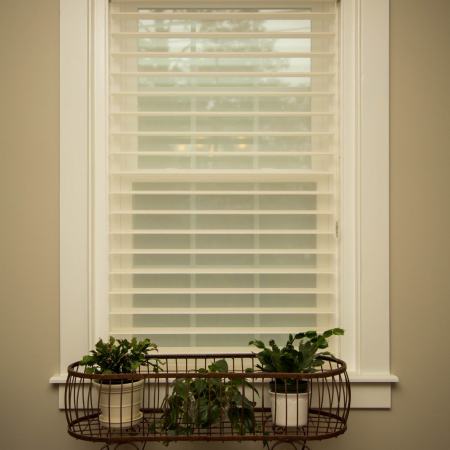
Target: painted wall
[{"x": 420, "y": 233}]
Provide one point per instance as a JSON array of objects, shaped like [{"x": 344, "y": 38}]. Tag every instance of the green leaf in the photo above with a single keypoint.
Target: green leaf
[
  {"x": 311, "y": 334},
  {"x": 290, "y": 359},
  {"x": 258, "y": 344},
  {"x": 120, "y": 356},
  {"x": 219, "y": 366}
]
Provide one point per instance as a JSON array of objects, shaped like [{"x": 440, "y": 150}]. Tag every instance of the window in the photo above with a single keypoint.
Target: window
[
  {"x": 224, "y": 188},
  {"x": 223, "y": 182}
]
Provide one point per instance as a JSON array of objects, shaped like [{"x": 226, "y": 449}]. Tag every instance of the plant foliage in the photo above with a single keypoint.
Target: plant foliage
[
  {"x": 304, "y": 356},
  {"x": 120, "y": 356},
  {"x": 202, "y": 402}
]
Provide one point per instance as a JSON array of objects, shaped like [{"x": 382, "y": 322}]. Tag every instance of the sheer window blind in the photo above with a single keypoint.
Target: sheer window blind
[{"x": 223, "y": 171}]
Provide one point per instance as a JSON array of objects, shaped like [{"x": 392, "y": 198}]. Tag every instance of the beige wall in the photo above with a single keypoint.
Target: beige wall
[{"x": 420, "y": 233}]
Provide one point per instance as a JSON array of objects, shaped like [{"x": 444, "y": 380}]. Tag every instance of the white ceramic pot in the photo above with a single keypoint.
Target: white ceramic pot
[
  {"x": 120, "y": 404},
  {"x": 289, "y": 410}
]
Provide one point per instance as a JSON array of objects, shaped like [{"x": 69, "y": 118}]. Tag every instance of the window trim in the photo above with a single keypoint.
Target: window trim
[
  {"x": 364, "y": 211},
  {"x": 365, "y": 161}
]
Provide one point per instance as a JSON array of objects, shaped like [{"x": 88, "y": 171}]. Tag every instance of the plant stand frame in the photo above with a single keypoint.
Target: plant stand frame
[{"x": 328, "y": 403}]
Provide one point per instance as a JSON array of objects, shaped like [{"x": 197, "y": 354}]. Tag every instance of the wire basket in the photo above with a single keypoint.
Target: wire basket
[{"x": 283, "y": 407}]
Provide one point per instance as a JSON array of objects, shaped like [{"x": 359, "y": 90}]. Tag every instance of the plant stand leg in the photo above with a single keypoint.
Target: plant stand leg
[
  {"x": 296, "y": 445},
  {"x": 107, "y": 446}
]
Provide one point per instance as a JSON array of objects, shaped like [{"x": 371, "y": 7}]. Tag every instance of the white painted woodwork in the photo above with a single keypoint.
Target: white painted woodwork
[{"x": 347, "y": 94}]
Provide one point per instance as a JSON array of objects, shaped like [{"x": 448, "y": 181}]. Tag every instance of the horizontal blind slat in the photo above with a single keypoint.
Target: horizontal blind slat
[
  {"x": 219, "y": 311},
  {"x": 215, "y": 74},
  {"x": 157, "y": 331},
  {"x": 232, "y": 270},
  {"x": 235, "y": 154},
  {"x": 223, "y": 114},
  {"x": 218, "y": 4},
  {"x": 223, "y": 92},
  {"x": 224, "y": 192},
  {"x": 223, "y": 35},
  {"x": 223, "y": 54},
  {"x": 223, "y": 232},
  {"x": 221, "y": 251},
  {"x": 222, "y": 133},
  {"x": 225, "y": 173},
  {"x": 220, "y": 290},
  {"x": 222, "y": 212},
  {"x": 209, "y": 16}
]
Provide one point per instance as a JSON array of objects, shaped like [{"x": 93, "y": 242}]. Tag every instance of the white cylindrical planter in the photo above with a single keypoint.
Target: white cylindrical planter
[
  {"x": 120, "y": 404},
  {"x": 289, "y": 410}
]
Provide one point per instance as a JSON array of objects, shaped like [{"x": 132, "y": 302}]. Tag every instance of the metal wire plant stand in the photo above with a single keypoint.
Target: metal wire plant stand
[{"x": 141, "y": 416}]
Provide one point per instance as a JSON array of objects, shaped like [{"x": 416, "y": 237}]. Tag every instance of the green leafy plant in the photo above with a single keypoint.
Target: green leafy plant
[
  {"x": 120, "y": 356},
  {"x": 202, "y": 402},
  {"x": 304, "y": 356}
]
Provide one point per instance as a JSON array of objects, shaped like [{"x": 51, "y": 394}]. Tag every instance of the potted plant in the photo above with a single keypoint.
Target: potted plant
[
  {"x": 120, "y": 399},
  {"x": 290, "y": 396},
  {"x": 202, "y": 402}
]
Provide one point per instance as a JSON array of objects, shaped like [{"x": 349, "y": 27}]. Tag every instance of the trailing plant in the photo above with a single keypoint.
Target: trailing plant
[
  {"x": 120, "y": 356},
  {"x": 304, "y": 356},
  {"x": 201, "y": 402}
]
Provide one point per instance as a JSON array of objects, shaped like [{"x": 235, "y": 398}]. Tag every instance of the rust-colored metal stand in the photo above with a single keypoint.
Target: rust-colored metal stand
[{"x": 328, "y": 403}]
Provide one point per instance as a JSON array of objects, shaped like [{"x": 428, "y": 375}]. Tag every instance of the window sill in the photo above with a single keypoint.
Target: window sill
[{"x": 368, "y": 390}]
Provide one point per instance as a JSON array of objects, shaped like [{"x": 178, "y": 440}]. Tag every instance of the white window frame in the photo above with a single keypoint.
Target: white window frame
[{"x": 364, "y": 223}]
